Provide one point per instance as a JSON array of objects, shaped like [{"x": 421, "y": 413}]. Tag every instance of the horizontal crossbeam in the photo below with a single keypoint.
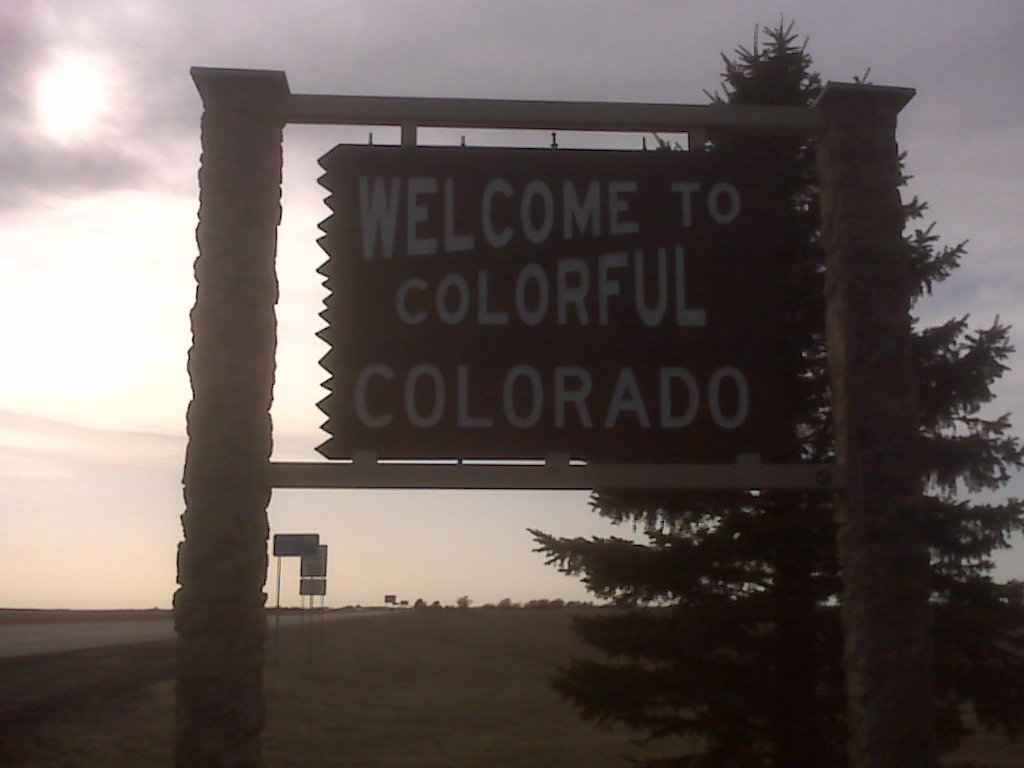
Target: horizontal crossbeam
[
  {"x": 412, "y": 112},
  {"x": 555, "y": 476}
]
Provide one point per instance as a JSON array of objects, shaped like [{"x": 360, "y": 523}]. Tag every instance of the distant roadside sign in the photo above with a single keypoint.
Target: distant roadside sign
[
  {"x": 314, "y": 565},
  {"x": 313, "y": 587},
  {"x": 296, "y": 544}
]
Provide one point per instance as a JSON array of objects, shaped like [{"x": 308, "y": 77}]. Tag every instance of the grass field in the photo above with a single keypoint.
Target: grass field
[
  {"x": 457, "y": 689},
  {"x": 427, "y": 689}
]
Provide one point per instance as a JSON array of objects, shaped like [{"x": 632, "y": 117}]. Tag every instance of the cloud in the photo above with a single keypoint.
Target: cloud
[
  {"x": 572, "y": 49},
  {"x": 35, "y": 447},
  {"x": 19, "y": 54},
  {"x": 34, "y": 169},
  {"x": 120, "y": 152}
]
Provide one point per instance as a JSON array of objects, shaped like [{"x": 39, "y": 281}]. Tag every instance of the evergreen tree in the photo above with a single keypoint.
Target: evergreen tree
[{"x": 730, "y": 630}]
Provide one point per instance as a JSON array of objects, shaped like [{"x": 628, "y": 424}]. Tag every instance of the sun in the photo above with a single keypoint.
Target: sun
[{"x": 72, "y": 97}]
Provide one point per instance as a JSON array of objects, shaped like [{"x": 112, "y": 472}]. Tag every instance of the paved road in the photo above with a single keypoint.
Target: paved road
[
  {"x": 31, "y": 639},
  {"x": 34, "y": 639}
]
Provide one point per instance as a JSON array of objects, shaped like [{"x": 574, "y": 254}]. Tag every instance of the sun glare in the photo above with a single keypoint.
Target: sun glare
[
  {"x": 95, "y": 314},
  {"x": 72, "y": 96}
]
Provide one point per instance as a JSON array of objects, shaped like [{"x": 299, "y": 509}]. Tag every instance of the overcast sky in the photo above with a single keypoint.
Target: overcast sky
[{"x": 99, "y": 148}]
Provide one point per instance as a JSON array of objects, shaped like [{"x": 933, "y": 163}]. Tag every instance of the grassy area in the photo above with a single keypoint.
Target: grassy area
[
  {"x": 450, "y": 688},
  {"x": 427, "y": 689},
  {"x": 446, "y": 688}
]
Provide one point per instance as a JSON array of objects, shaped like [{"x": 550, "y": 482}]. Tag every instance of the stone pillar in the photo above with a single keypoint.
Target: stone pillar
[
  {"x": 883, "y": 551},
  {"x": 222, "y": 563}
]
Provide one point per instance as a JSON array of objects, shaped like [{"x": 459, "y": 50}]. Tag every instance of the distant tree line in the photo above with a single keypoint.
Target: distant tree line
[{"x": 506, "y": 603}]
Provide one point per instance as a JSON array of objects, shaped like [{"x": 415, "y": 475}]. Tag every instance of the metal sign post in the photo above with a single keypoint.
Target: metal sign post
[
  {"x": 294, "y": 545},
  {"x": 303, "y": 545}
]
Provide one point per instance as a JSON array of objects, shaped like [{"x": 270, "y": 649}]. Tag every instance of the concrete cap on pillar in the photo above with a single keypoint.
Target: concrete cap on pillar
[
  {"x": 897, "y": 97},
  {"x": 237, "y": 88}
]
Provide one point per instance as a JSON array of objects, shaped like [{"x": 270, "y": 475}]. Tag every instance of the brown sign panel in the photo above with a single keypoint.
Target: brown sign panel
[
  {"x": 496, "y": 303},
  {"x": 314, "y": 565},
  {"x": 313, "y": 586}
]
